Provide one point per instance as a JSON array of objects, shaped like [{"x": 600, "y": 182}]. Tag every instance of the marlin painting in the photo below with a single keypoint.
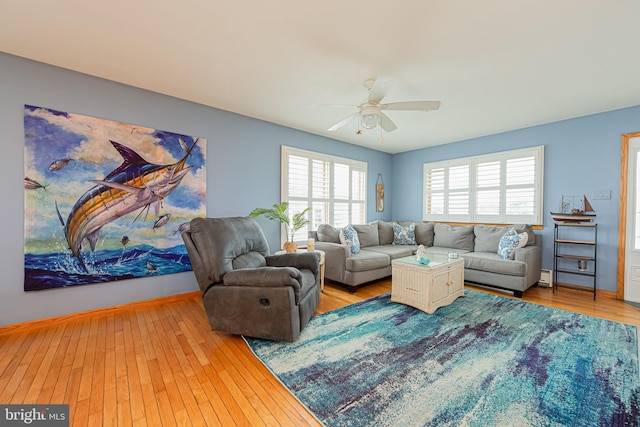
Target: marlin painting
[{"x": 135, "y": 184}]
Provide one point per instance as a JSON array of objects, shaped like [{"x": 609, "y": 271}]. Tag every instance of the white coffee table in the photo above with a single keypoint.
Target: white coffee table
[{"x": 427, "y": 287}]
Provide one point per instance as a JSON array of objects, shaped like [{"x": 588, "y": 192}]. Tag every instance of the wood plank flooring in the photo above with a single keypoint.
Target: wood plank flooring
[{"x": 157, "y": 363}]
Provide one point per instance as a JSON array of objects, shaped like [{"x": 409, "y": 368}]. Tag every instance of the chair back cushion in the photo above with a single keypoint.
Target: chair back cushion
[{"x": 227, "y": 244}]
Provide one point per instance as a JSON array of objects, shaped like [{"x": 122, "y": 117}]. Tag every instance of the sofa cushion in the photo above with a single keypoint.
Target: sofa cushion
[
  {"x": 367, "y": 260},
  {"x": 492, "y": 263},
  {"x": 509, "y": 242},
  {"x": 404, "y": 235},
  {"x": 349, "y": 237},
  {"x": 328, "y": 233},
  {"x": 424, "y": 233},
  {"x": 488, "y": 237},
  {"x": 367, "y": 234},
  {"x": 460, "y": 237},
  {"x": 393, "y": 251},
  {"x": 385, "y": 232}
]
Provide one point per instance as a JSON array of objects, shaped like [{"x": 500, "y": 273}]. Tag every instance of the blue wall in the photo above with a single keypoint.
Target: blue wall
[
  {"x": 243, "y": 172},
  {"x": 582, "y": 155}
]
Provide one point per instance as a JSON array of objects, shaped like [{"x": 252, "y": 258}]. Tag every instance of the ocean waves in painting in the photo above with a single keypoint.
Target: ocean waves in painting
[{"x": 59, "y": 270}]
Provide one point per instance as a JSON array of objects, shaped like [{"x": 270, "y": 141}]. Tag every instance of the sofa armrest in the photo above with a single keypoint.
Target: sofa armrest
[
  {"x": 335, "y": 260},
  {"x": 532, "y": 257},
  {"x": 335, "y": 248}
]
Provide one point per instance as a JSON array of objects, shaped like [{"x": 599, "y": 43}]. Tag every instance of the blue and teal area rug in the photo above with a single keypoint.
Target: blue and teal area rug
[{"x": 484, "y": 360}]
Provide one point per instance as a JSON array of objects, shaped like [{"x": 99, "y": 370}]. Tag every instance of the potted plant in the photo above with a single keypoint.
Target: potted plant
[{"x": 292, "y": 224}]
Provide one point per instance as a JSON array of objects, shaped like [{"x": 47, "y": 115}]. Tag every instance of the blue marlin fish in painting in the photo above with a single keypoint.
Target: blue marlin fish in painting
[{"x": 135, "y": 184}]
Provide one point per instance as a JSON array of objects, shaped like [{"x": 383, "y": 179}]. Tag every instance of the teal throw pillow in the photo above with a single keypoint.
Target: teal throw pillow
[
  {"x": 509, "y": 242},
  {"x": 349, "y": 237},
  {"x": 404, "y": 235}
]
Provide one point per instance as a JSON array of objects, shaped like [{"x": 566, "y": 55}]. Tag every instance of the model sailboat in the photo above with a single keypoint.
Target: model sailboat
[{"x": 570, "y": 213}]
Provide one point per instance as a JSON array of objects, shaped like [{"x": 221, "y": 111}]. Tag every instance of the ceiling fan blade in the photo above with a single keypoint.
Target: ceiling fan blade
[
  {"x": 386, "y": 123},
  {"x": 411, "y": 106},
  {"x": 379, "y": 90},
  {"x": 334, "y": 105},
  {"x": 343, "y": 122}
]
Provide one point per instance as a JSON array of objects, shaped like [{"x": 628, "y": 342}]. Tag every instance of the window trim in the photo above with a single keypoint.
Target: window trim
[
  {"x": 472, "y": 162},
  {"x": 354, "y": 165}
]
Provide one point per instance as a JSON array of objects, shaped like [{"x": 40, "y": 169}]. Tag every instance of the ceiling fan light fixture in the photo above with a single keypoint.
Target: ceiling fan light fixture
[
  {"x": 370, "y": 121},
  {"x": 369, "y": 117}
]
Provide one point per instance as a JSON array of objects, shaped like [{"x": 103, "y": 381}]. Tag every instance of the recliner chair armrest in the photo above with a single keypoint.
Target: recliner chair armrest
[
  {"x": 300, "y": 260},
  {"x": 264, "y": 276}
]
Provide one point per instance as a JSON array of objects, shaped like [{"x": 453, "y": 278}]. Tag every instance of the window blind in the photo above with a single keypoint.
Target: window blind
[
  {"x": 335, "y": 188},
  {"x": 504, "y": 187}
]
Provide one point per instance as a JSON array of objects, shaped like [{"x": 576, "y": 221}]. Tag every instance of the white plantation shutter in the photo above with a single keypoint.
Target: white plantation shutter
[
  {"x": 458, "y": 194},
  {"x": 321, "y": 190},
  {"x": 335, "y": 188},
  {"x": 447, "y": 192},
  {"x": 320, "y": 179},
  {"x": 298, "y": 176},
  {"x": 501, "y": 187},
  {"x": 434, "y": 179},
  {"x": 488, "y": 175},
  {"x": 520, "y": 195},
  {"x": 358, "y": 196}
]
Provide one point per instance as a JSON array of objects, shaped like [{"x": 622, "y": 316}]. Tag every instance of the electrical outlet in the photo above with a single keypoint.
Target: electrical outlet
[{"x": 601, "y": 195}]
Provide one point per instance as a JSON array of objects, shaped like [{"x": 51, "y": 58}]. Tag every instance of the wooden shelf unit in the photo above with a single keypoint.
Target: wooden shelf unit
[{"x": 562, "y": 252}]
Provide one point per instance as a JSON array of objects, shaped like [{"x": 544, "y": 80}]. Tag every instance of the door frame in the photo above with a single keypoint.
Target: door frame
[{"x": 622, "y": 219}]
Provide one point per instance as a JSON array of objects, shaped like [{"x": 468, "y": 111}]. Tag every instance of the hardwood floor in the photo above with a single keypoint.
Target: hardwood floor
[{"x": 158, "y": 363}]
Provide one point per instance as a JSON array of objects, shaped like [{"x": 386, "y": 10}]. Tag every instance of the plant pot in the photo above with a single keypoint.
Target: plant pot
[{"x": 290, "y": 247}]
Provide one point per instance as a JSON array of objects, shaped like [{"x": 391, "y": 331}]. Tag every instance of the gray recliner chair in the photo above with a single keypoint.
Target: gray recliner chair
[{"x": 244, "y": 290}]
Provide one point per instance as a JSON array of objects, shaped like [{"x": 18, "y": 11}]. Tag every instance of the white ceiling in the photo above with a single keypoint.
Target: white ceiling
[{"x": 496, "y": 65}]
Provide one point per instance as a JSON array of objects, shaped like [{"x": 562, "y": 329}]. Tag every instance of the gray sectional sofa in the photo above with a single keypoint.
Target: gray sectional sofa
[{"x": 476, "y": 244}]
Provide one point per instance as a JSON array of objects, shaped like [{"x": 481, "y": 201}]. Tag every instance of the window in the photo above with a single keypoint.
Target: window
[
  {"x": 335, "y": 188},
  {"x": 496, "y": 188}
]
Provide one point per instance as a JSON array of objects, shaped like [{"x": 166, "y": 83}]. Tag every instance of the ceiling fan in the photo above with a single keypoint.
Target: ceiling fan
[{"x": 370, "y": 111}]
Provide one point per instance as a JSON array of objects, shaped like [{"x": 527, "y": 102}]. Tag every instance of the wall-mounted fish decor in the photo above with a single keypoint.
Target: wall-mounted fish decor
[{"x": 114, "y": 196}]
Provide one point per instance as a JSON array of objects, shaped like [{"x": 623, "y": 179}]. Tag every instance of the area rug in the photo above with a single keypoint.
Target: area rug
[{"x": 484, "y": 360}]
